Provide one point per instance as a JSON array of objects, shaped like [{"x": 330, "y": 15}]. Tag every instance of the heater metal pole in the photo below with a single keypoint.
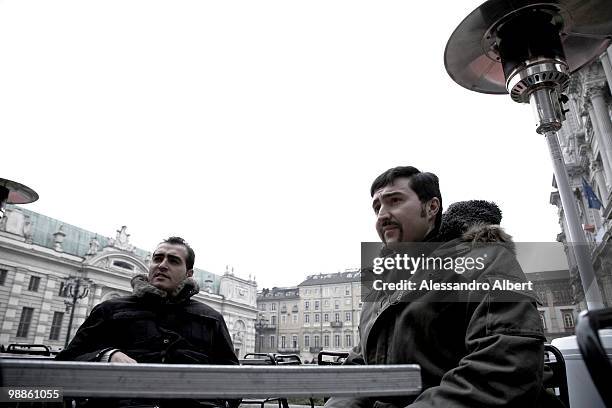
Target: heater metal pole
[
  {"x": 529, "y": 49},
  {"x": 577, "y": 241}
]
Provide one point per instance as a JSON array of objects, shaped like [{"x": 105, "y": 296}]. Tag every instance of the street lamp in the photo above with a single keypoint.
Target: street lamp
[
  {"x": 76, "y": 288},
  {"x": 260, "y": 323},
  {"x": 529, "y": 48},
  {"x": 12, "y": 192}
]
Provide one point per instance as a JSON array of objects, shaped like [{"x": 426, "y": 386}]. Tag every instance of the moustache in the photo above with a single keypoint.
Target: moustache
[{"x": 389, "y": 222}]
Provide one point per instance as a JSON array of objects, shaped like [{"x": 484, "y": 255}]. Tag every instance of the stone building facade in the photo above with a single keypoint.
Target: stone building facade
[
  {"x": 42, "y": 260},
  {"x": 278, "y": 328},
  {"x": 558, "y": 310},
  {"x": 586, "y": 143},
  {"x": 320, "y": 313}
]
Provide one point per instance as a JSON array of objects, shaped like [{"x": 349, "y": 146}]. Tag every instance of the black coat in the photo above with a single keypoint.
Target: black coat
[
  {"x": 150, "y": 331},
  {"x": 152, "y": 328}
]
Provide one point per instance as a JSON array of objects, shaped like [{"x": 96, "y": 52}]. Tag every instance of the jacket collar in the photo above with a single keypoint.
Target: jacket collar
[{"x": 143, "y": 289}]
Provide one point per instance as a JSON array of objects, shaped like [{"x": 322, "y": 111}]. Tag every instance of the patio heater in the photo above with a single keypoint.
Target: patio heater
[
  {"x": 529, "y": 49},
  {"x": 14, "y": 193}
]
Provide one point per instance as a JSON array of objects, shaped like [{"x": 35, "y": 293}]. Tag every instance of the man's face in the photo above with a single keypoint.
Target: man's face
[
  {"x": 400, "y": 214},
  {"x": 168, "y": 266}
]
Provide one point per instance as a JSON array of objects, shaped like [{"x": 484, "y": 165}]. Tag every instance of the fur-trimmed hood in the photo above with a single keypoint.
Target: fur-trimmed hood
[
  {"x": 473, "y": 221},
  {"x": 185, "y": 290}
]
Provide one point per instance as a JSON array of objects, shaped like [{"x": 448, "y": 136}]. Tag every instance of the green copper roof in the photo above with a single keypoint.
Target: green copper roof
[
  {"x": 205, "y": 278},
  {"x": 76, "y": 242}
]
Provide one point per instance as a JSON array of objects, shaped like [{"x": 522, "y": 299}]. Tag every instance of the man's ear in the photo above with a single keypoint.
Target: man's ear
[
  {"x": 190, "y": 273},
  {"x": 433, "y": 207}
]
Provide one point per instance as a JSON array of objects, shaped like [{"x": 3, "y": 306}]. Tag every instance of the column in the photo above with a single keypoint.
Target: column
[
  {"x": 601, "y": 113},
  {"x": 596, "y": 169},
  {"x": 605, "y": 144},
  {"x": 606, "y": 62}
]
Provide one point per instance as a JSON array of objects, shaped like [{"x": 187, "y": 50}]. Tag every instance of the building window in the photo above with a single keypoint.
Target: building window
[
  {"x": 124, "y": 265},
  {"x": 273, "y": 306},
  {"x": 306, "y": 318},
  {"x": 326, "y": 317},
  {"x": 34, "y": 283},
  {"x": 272, "y": 342},
  {"x": 261, "y": 343},
  {"x": 347, "y": 291},
  {"x": 294, "y": 344},
  {"x": 283, "y": 319},
  {"x": 337, "y": 317},
  {"x": 347, "y": 316},
  {"x": 306, "y": 340},
  {"x": 283, "y": 342},
  {"x": 317, "y": 317},
  {"x": 306, "y": 305},
  {"x": 273, "y": 321},
  {"x": 294, "y": 318},
  {"x": 56, "y": 325},
  {"x": 337, "y": 304},
  {"x": 316, "y": 305},
  {"x": 326, "y": 303},
  {"x": 326, "y": 340},
  {"x": 317, "y": 341},
  {"x": 24, "y": 322},
  {"x": 543, "y": 320},
  {"x": 568, "y": 320},
  {"x": 263, "y": 306},
  {"x": 337, "y": 341},
  {"x": 348, "y": 340},
  {"x": 3, "y": 273}
]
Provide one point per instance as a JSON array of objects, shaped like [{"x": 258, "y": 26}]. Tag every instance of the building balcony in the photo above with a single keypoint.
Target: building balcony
[{"x": 335, "y": 324}]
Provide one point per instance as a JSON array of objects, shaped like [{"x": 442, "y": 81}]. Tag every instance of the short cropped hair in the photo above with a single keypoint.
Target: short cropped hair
[
  {"x": 425, "y": 185},
  {"x": 190, "y": 253}
]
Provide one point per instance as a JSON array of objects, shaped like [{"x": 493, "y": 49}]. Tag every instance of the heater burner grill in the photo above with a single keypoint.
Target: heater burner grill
[{"x": 535, "y": 75}]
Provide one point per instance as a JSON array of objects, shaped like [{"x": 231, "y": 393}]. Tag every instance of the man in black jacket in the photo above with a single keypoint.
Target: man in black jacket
[
  {"x": 475, "y": 348},
  {"x": 158, "y": 323}
]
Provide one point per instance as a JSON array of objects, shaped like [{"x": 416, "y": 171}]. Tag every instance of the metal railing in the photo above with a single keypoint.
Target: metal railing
[{"x": 98, "y": 380}]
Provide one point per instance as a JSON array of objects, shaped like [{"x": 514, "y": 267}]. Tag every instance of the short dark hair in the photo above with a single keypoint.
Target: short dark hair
[
  {"x": 425, "y": 185},
  {"x": 190, "y": 253}
]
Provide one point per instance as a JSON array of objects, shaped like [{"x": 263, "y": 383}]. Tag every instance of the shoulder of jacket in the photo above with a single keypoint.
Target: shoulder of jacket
[{"x": 193, "y": 306}]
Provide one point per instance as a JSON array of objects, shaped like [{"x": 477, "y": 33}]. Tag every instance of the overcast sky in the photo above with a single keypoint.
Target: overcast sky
[{"x": 253, "y": 128}]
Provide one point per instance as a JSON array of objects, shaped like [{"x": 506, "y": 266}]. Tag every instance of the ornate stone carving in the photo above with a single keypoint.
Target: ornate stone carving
[
  {"x": 58, "y": 238},
  {"x": 94, "y": 246},
  {"x": 14, "y": 222},
  {"x": 27, "y": 230},
  {"x": 122, "y": 240}
]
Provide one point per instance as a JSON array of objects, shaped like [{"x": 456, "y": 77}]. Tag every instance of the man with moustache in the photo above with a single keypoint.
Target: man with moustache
[
  {"x": 158, "y": 323},
  {"x": 474, "y": 349}
]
